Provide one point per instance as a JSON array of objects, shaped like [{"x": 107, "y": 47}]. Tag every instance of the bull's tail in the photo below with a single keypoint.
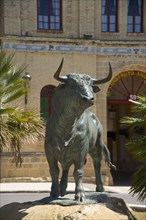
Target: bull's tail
[{"x": 106, "y": 154}]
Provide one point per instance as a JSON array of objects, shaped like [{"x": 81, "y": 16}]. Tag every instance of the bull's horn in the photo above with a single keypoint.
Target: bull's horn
[
  {"x": 57, "y": 73},
  {"x": 108, "y": 78}
]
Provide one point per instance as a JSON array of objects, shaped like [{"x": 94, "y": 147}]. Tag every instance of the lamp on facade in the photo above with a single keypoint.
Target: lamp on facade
[{"x": 27, "y": 78}]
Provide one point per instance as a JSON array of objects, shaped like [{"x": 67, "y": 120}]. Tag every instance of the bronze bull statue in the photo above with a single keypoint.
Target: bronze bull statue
[{"x": 73, "y": 131}]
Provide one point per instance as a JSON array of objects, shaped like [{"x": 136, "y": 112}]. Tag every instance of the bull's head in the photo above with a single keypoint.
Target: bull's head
[
  {"x": 83, "y": 83},
  {"x": 95, "y": 81}
]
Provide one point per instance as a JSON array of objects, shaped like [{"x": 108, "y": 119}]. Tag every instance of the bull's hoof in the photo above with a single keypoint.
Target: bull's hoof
[
  {"x": 63, "y": 192},
  {"x": 54, "y": 195},
  {"x": 80, "y": 197},
  {"x": 100, "y": 189},
  {"x": 63, "y": 187}
]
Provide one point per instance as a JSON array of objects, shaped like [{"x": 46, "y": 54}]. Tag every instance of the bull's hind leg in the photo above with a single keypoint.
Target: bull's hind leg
[
  {"x": 63, "y": 182},
  {"x": 97, "y": 167}
]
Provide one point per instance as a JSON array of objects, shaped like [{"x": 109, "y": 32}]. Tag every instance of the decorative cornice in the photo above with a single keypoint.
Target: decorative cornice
[{"x": 44, "y": 47}]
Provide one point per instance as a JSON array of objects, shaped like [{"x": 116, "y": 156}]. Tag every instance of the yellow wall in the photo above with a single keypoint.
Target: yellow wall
[{"x": 42, "y": 51}]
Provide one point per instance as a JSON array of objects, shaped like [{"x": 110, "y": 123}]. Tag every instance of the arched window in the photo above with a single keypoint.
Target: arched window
[
  {"x": 46, "y": 101},
  {"x": 127, "y": 86}
]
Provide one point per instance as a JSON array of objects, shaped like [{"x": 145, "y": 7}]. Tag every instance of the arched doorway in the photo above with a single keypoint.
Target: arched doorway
[
  {"x": 122, "y": 91},
  {"x": 46, "y": 101}
]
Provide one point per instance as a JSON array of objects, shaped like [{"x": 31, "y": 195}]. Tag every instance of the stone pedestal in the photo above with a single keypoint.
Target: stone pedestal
[{"x": 97, "y": 206}]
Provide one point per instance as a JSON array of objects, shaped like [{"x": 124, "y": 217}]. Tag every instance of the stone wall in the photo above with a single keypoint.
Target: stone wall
[
  {"x": 42, "y": 52},
  {"x": 80, "y": 18},
  {"x": 35, "y": 168},
  {"x": 87, "y": 57}
]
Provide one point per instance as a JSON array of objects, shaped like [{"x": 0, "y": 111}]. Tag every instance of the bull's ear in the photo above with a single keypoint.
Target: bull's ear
[{"x": 95, "y": 89}]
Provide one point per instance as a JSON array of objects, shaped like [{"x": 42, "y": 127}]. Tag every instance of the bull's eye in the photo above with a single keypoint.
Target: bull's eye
[{"x": 95, "y": 89}]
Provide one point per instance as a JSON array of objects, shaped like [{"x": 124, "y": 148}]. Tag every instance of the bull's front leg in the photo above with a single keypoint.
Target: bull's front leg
[
  {"x": 54, "y": 172},
  {"x": 78, "y": 176}
]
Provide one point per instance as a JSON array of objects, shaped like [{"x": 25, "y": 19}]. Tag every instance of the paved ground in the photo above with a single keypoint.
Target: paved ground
[{"x": 22, "y": 192}]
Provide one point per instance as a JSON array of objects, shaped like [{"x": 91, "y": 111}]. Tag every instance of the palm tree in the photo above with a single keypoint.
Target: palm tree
[
  {"x": 16, "y": 125},
  {"x": 137, "y": 145}
]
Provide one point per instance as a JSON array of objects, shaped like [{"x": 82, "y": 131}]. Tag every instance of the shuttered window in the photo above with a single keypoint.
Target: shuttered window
[{"x": 46, "y": 101}]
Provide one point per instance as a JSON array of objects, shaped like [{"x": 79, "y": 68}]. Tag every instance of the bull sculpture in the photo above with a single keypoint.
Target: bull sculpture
[{"x": 73, "y": 131}]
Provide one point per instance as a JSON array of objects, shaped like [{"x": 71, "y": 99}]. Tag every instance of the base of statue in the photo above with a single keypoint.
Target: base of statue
[{"x": 99, "y": 206}]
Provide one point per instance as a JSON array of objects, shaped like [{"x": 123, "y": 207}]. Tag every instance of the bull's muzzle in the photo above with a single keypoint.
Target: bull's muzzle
[{"x": 88, "y": 100}]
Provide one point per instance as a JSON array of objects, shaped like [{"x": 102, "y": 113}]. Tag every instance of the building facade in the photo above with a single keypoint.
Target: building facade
[{"x": 88, "y": 34}]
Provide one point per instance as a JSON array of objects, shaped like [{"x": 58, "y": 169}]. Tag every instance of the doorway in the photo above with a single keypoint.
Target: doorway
[
  {"x": 122, "y": 91},
  {"x": 118, "y": 137},
  {"x": 46, "y": 101}
]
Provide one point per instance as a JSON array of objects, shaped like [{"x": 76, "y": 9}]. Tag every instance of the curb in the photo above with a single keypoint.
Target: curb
[{"x": 138, "y": 208}]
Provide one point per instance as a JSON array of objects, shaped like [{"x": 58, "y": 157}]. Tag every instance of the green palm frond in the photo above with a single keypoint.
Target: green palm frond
[
  {"x": 16, "y": 74},
  {"x": 139, "y": 183},
  {"x": 141, "y": 105},
  {"x": 131, "y": 122},
  {"x": 137, "y": 145},
  {"x": 5, "y": 63},
  {"x": 20, "y": 126},
  {"x": 139, "y": 153},
  {"x": 16, "y": 125},
  {"x": 12, "y": 84},
  {"x": 14, "y": 95},
  {"x": 5, "y": 135},
  {"x": 5, "y": 111}
]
